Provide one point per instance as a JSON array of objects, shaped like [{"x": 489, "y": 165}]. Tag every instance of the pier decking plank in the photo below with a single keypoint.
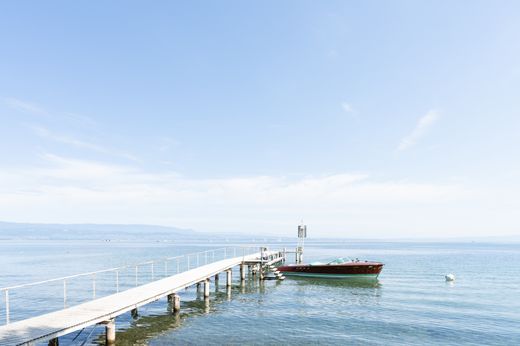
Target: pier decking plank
[{"x": 62, "y": 322}]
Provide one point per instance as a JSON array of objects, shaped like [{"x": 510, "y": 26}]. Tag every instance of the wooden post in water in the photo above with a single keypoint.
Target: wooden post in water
[
  {"x": 175, "y": 302},
  {"x": 216, "y": 280},
  {"x": 229, "y": 274},
  {"x": 242, "y": 272},
  {"x": 261, "y": 275},
  {"x": 206, "y": 288},
  {"x": 261, "y": 265},
  {"x": 54, "y": 342},
  {"x": 110, "y": 331},
  {"x": 134, "y": 313}
]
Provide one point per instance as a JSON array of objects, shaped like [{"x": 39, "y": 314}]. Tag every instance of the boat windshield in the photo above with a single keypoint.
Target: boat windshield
[{"x": 339, "y": 260}]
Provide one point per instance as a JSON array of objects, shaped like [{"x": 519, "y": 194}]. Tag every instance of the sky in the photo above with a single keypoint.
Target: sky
[{"x": 366, "y": 119}]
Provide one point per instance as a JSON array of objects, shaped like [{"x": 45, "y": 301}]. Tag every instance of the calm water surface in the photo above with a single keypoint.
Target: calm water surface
[{"x": 410, "y": 304}]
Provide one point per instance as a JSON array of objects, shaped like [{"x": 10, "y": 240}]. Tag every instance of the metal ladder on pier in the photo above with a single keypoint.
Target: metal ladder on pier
[
  {"x": 267, "y": 264},
  {"x": 277, "y": 274}
]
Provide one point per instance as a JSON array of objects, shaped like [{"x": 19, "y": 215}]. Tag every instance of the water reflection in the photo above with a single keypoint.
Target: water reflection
[
  {"x": 148, "y": 327},
  {"x": 360, "y": 292},
  {"x": 362, "y": 282},
  {"x": 143, "y": 328}
]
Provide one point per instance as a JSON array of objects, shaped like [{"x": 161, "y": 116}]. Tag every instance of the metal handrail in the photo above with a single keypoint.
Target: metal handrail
[
  {"x": 112, "y": 269},
  {"x": 117, "y": 270},
  {"x": 63, "y": 278}
]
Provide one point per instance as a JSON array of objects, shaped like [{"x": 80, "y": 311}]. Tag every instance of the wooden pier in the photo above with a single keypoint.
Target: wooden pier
[{"x": 50, "y": 326}]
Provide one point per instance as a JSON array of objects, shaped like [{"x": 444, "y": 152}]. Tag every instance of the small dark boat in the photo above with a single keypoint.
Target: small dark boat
[{"x": 337, "y": 269}]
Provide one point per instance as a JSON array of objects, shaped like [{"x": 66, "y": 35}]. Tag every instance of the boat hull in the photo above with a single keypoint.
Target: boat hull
[
  {"x": 332, "y": 276},
  {"x": 341, "y": 271}
]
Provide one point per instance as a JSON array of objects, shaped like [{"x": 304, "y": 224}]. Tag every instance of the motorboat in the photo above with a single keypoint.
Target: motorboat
[{"x": 339, "y": 268}]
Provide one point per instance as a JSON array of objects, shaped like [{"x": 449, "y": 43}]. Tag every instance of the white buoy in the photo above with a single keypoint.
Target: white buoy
[{"x": 450, "y": 277}]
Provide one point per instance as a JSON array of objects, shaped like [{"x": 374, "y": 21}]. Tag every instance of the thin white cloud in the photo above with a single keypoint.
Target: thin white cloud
[
  {"x": 347, "y": 107},
  {"x": 80, "y": 119},
  {"x": 424, "y": 123},
  {"x": 31, "y": 108},
  {"x": 24, "y": 106},
  {"x": 71, "y": 190},
  {"x": 43, "y": 132},
  {"x": 167, "y": 143}
]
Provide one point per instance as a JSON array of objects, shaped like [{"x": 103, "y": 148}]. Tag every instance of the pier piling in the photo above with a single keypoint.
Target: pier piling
[
  {"x": 229, "y": 277},
  {"x": 110, "y": 331},
  {"x": 176, "y": 303},
  {"x": 242, "y": 272},
  {"x": 261, "y": 272},
  {"x": 206, "y": 288}
]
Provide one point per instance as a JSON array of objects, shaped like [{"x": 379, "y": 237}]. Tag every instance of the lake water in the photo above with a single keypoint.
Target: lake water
[{"x": 410, "y": 303}]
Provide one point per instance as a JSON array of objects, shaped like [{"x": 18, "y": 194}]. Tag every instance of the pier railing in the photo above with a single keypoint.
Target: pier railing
[{"x": 25, "y": 300}]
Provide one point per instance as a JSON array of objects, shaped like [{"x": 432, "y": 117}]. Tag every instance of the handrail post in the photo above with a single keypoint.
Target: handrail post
[
  {"x": 152, "y": 272},
  {"x": 197, "y": 259},
  {"x": 7, "y": 307},
  {"x": 205, "y": 257},
  {"x": 165, "y": 268},
  {"x": 64, "y": 293},
  {"x": 225, "y": 253},
  {"x": 188, "y": 257},
  {"x": 94, "y": 286},
  {"x": 117, "y": 281},
  {"x": 136, "y": 275},
  {"x": 178, "y": 265}
]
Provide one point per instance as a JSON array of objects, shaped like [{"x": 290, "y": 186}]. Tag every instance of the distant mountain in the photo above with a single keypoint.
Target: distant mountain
[{"x": 11, "y": 230}]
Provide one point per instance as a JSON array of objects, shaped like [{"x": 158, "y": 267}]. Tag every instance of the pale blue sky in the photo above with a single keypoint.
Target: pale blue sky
[{"x": 375, "y": 118}]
